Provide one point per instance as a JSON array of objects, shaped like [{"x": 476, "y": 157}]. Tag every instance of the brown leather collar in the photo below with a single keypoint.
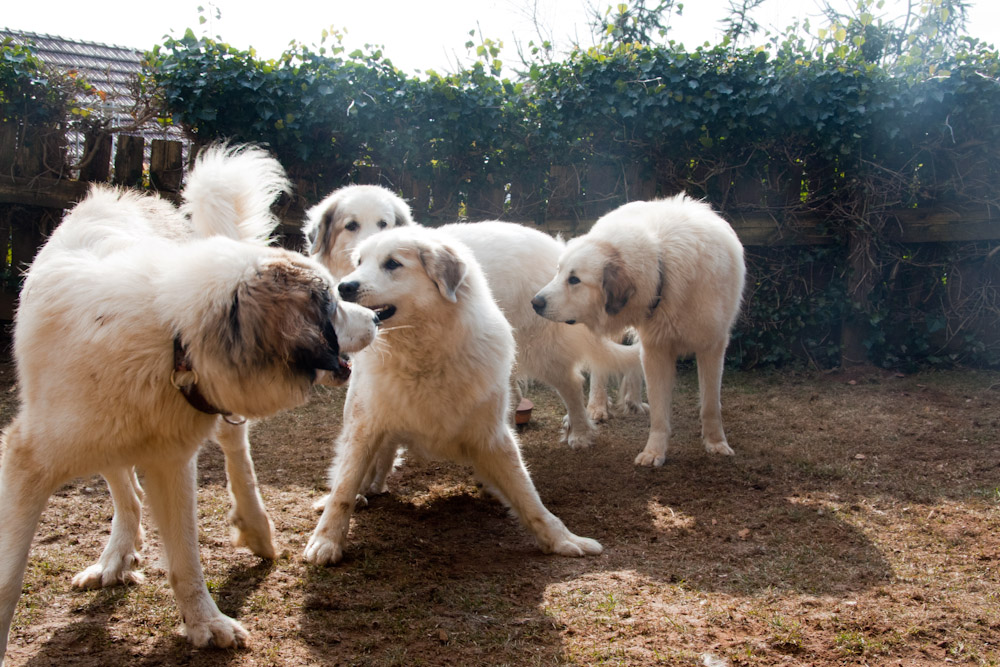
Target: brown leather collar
[{"x": 189, "y": 389}]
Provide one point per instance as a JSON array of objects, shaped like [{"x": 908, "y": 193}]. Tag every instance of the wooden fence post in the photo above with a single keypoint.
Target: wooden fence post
[
  {"x": 166, "y": 165},
  {"x": 861, "y": 279},
  {"x": 8, "y": 146},
  {"x": 128, "y": 161},
  {"x": 97, "y": 153}
]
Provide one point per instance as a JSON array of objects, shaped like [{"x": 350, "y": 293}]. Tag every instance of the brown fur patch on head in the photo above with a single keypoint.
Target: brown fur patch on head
[
  {"x": 617, "y": 282},
  {"x": 283, "y": 314},
  {"x": 444, "y": 266}
]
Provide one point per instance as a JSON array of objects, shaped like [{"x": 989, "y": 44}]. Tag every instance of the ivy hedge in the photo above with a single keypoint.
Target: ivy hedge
[{"x": 792, "y": 131}]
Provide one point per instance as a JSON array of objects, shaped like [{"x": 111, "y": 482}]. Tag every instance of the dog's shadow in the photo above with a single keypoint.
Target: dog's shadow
[
  {"x": 399, "y": 600},
  {"x": 82, "y": 641}
]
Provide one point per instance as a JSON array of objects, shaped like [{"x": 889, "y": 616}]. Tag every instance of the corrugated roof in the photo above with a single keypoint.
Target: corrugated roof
[{"x": 108, "y": 68}]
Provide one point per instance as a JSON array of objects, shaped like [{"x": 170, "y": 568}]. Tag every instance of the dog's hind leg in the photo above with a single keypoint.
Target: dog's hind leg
[
  {"x": 630, "y": 394},
  {"x": 24, "y": 490},
  {"x": 498, "y": 464},
  {"x": 597, "y": 403},
  {"x": 578, "y": 430},
  {"x": 251, "y": 526},
  {"x": 376, "y": 479},
  {"x": 170, "y": 488},
  {"x": 121, "y": 554},
  {"x": 710, "y": 365}
]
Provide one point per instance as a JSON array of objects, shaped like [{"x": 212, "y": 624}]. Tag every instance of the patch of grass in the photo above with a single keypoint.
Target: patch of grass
[
  {"x": 786, "y": 635},
  {"x": 855, "y": 643}
]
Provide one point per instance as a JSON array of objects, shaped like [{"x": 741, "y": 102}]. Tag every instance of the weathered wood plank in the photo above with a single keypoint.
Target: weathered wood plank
[
  {"x": 942, "y": 225},
  {"x": 765, "y": 230},
  {"x": 46, "y": 192}
]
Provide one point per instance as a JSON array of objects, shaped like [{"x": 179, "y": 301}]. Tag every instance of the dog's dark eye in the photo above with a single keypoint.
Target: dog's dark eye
[
  {"x": 382, "y": 224},
  {"x": 391, "y": 264},
  {"x": 352, "y": 226},
  {"x": 573, "y": 280}
]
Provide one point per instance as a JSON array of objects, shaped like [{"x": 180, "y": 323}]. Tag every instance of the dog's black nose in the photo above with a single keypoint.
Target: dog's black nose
[
  {"x": 348, "y": 291},
  {"x": 538, "y": 303}
]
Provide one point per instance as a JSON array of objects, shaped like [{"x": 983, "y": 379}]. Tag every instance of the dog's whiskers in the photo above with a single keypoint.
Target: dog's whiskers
[
  {"x": 383, "y": 347},
  {"x": 401, "y": 326}
]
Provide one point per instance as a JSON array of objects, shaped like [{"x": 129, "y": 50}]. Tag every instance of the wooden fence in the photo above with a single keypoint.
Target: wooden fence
[{"x": 36, "y": 189}]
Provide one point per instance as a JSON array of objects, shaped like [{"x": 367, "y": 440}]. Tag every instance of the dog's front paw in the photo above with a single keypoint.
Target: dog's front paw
[
  {"x": 651, "y": 458},
  {"x": 631, "y": 407},
  {"x": 255, "y": 532},
  {"x": 322, "y": 551},
  {"x": 575, "y": 546},
  {"x": 598, "y": 411},
  {"x": 219, "y": 630},
  {"x": 720, "y": 447},
  {"x": 115, "y": 571},
  {"x": 574, "y": 437}
]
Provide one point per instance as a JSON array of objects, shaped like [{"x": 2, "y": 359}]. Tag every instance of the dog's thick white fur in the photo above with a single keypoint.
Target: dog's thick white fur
[
  {"x": 130, "y": 302},
  {"x": 437, "y": 381},
  {"x": 517, "y": 261},
  {"x": 672, "y": 269}
]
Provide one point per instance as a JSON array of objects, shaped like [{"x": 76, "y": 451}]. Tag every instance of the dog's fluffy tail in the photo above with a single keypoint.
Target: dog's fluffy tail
[{"x": 230, "y": 192}]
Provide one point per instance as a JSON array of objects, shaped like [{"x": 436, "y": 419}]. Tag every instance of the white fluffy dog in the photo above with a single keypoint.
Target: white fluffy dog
[
  {"x": 141, "y": 328},
  {"x": 672, "y": 269},
  {"x": 439, "y": 384},
  {"x": 517, "y": 261}
]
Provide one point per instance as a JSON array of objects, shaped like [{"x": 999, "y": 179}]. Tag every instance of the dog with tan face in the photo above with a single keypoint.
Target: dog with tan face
[
  {"x": 437, "y": 381},
  {"x": 673, "y": 270}
]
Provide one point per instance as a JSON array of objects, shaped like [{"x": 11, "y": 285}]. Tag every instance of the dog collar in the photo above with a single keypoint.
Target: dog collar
[
  {"x": 659, "y": 290},
  {"x": 185, "y": 379}
]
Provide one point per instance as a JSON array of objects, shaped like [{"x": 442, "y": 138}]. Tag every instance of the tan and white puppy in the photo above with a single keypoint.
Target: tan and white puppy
[
  {"x": 335, "y": 226},
  {"x": 437, "y": 382},
  {"x": 672, "y": 269},
  {"x": 139, "y": 329},
  {"x": 517, "y": 262}
]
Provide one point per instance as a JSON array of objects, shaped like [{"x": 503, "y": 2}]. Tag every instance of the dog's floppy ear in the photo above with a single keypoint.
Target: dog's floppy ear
[
  {"x": 617, "y": 285},
  {"x": 445, "y": 268},
  {"x": 319, "y": 228},
  {"x": 401, "y": 212}
]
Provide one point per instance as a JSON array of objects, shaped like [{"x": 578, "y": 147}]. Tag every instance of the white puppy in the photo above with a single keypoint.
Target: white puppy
[
  {"x": 672, "y": 269},
  {"x": 517, "y": 261},
  {"x": 138, "y": 327},
  {"x": 439, "y": 384}
]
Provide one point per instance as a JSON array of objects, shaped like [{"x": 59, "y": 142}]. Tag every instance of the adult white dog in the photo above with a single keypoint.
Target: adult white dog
[
  {"x": 517, "y": 262},
  {"x": 141, "y": 328},
  {"x": 437, "y": 381},
  {"x": 672, "y": 269}
]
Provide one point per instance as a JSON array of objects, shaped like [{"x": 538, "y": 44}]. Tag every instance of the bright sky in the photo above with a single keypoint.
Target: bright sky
[{"x": 415, "y": 35}]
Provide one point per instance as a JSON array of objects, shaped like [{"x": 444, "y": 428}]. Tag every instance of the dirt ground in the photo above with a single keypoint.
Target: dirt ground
[{"x": 858, "y": 523}]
